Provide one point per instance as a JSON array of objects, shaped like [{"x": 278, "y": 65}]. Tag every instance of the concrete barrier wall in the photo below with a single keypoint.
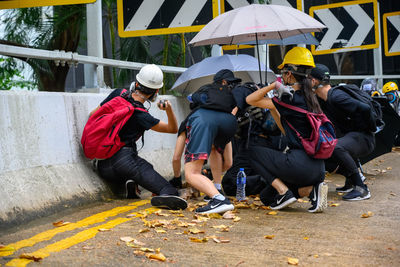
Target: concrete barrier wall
[{"x": 42, "y": 166}]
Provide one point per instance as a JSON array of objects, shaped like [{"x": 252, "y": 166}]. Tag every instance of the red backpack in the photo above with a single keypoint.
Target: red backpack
[
  {"x": 100, "y": 137},
  {"x": 322, "y": 140}
]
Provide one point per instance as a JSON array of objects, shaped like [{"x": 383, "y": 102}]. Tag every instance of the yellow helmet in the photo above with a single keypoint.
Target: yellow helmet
[
  {"x": 298, "y": 56},
  {"x": 390, "y": 86},
  {"x": 375, "y": 93}
]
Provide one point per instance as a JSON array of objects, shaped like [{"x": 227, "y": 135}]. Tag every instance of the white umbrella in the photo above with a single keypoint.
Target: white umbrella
[
  {"x": 243, "y": 66},
  {"x": 256, "y": 22}
]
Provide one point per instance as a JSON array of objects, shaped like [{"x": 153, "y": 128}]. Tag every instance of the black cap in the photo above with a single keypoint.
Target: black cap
[
  {"x": 320, "y": 72},
  {"x": 227, "y": 75}
]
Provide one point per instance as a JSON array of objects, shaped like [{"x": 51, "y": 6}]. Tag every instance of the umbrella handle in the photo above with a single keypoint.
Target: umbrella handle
[{"x": 258, "y": 57}]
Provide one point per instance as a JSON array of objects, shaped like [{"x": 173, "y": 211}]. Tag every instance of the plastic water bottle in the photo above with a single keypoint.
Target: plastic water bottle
[{"x": 241, "y": 185}]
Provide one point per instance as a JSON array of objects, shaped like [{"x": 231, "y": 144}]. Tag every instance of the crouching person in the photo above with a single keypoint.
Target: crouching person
[
  {"x": 125, "y": 166},
  {"x": 210, "y": 124}
]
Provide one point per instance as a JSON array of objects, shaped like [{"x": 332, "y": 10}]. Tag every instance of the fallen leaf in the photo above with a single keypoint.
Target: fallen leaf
[
  {"x": 236, "y": 219},
  {"x": 265, "y": 207},
  {"x": 228, "y": 215},
  {"x": 6, "y": 248},
  {"x": 104, "y": 229},
  {"x": 60, "y": 223},
  {"x": 222, "y": 228},
  {"x": 30, "y": 257},
  {"x": 315, "y": 256},
  {"x": 144, "y": 230},
  {"x": 367, "y": 215},
  {"x": 340, "y": 193},
  {"x": 334, "y": 205},
  {"x": 198, "y": 240},
  {"x": 214, "y": 216},
  {"x": 165, "y": 238},
  {"x": 138, "y": 253},
  {"x": 269, "y": 236},
  {"x": 147, "y": 249},
  {"x": 160, "y": 231},
  {"x": 272, "y": 212},
  {"x": 390, "y": 248},
  {"x": 306, "y": 238},
  {"x": 157, "y": 256},
  {"x": 195, "y": 231},
  {"x": 87, "y": 247},
  {"x": 293, "y": 261},
  {"x": 393, "y": 194},
  {"x": 389, "y": 168},
  {"x": 126, "y": 239},
  {"x": 137, "y": 242},
  {"x": 159, "y": 213},
  {"x": 242, "y": 205},
  {"x": 220, "y": 240}
]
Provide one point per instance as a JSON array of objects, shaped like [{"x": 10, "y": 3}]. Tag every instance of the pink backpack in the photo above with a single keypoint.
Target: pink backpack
[
  {"x": 100, "y": 137},
  {"x": 322, "y": 140}
]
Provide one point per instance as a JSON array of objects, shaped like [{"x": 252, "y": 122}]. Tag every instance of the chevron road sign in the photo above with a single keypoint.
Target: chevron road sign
[
  {"x": 6, "y": 4},
  {"x": 351, "y": 26},
  {"x": 391, "y": 33},
  {"x": 155, "y": 17}
]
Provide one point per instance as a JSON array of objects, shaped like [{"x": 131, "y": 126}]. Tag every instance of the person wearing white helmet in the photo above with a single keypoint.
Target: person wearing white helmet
[{"x": 126, "y": 167}]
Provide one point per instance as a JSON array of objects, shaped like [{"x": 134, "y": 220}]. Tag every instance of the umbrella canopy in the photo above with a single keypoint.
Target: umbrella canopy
[
  {"x": 384, "y": 140},
  {"x": 306, "y": 38},
  {"x": 243, "y": 66},
  {"x": 262, "y": 22}
]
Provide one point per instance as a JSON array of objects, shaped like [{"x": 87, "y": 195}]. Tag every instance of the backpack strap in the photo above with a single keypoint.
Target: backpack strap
[{"x": 275, "y": 99}]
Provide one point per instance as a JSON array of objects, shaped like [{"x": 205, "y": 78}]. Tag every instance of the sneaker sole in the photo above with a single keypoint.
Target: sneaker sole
[
  {"x": 219, "y": 209},
  {"x": 284, "y": 204},
  {"x": 322, "y": 199},
  {"x": 344, "y": 191},
  {"x": 359, "y": 198},
  {"x": 170, "y": 202}
]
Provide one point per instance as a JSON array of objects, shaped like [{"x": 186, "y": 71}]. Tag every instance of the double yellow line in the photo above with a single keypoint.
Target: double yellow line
[{"x": 75, "y": 239}]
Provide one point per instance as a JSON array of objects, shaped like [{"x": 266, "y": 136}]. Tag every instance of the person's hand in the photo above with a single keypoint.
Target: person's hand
[
  {"x": 164, "y": 104},
  {"x": 281, "y": 90}
]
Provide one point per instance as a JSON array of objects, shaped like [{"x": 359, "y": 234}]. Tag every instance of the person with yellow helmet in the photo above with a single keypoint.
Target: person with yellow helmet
[
  {"x": 351, "y": 120},
  {"x": 293, "y": 174},
  {"x": 391, "y": 91}
]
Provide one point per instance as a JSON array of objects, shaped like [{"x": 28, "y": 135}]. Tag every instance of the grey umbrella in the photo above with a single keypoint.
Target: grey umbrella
[
  {"x": 243, "y": 66},
  {"x": 262, "y": 22}
]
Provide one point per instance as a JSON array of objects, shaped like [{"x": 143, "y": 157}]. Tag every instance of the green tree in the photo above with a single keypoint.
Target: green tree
[
  {"x": 10, "y": 75},
  {"x": 61, "y": 30}
]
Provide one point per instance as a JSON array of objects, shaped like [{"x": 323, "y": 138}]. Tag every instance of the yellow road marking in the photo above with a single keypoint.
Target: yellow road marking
[
  {"x": 75, "y": 239},
  {"x": 47, "y": 235}
]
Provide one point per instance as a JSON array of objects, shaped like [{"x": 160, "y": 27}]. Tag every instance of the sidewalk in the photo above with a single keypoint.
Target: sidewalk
[{"x": 257, "y": 237}]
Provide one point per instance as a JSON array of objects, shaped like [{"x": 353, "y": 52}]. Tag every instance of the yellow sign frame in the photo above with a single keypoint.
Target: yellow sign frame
[
  {"x": 161, "y": 31},
  {"x": 362, "y": 47},
  {"x": 10, "y": 4},
  {"x": 385, "y": 34}
]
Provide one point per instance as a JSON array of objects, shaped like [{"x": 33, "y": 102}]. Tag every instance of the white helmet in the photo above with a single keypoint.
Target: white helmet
[{"x": 150, "y": 76}]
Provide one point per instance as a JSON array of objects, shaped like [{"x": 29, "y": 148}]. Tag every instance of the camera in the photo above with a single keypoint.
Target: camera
[{"x": 162, "y": 103}]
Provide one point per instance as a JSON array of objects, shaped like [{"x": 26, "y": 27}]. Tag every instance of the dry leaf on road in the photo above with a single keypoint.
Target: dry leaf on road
[
  {"x": 157, "y": 256},
  {"x": 269, "y": 236},
  {"x": 60, "y": 223},
  {"x": 367, "y": 215},
  {"x": 293, "y": 261},
  {"x": 127, "y": 239},
  {"x": 198, "y": 240},
  {"x": 30, "y": 257},
  {"x": 272, "y": 213},
  {"x": 103, "y": 229},
  {"x": 228, "y": 215}
]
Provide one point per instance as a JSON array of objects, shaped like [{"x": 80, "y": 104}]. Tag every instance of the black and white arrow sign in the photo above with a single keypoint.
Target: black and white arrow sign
[
  {"x": 351, "y": 26},
  {"x": 391, "y": 33}
]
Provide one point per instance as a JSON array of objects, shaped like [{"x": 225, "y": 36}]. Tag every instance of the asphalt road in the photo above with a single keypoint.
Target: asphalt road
[{"x": 130, "y": 233}]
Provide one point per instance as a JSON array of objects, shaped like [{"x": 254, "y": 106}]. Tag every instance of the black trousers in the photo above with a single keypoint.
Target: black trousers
[
  {"x": 127, "y": 165},
  {"x": 347, "y": 151}
]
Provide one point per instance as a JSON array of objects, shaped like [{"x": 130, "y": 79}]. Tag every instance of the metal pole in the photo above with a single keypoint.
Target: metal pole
[
  {"x": 94, "y": 75},
  {"x": 216, "y": 50},
  {"x": 378, "y": 69}
]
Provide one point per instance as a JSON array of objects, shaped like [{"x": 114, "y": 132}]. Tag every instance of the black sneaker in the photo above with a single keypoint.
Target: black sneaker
[
  {"x": 130, "y": 189},
  {"x": 207, "y": 198},
  {"x": 176, "y": 182},
  {"x": 216, "y": 206},
  {"x": 319, "y": 197},
  {"x": 169, "y": 201},
  {"x": 358, "y": 193},
  {"x": 346, "y": 188},
  {"x": 282, "y": 201}
]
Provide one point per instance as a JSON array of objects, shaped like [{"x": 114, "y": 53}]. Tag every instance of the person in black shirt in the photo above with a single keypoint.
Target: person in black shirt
[
  {"x": 126, "y": 166},
  {"x": 350, "y": 118},
  {"x": 291, "y": 174}
]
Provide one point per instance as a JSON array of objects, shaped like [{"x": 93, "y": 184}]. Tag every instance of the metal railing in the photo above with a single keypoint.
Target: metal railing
[{"x": 73, "y": 59}]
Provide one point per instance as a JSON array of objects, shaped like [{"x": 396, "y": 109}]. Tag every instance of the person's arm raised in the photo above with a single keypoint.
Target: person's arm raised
[
  {"x": 258, "y": 98},
  {"x": 172, "y": 125}
]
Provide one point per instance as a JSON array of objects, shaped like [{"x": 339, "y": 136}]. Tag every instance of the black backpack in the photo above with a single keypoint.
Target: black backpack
[
  {"x": 219, "y": 97},
  {"x": 376, "y": 109}
]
